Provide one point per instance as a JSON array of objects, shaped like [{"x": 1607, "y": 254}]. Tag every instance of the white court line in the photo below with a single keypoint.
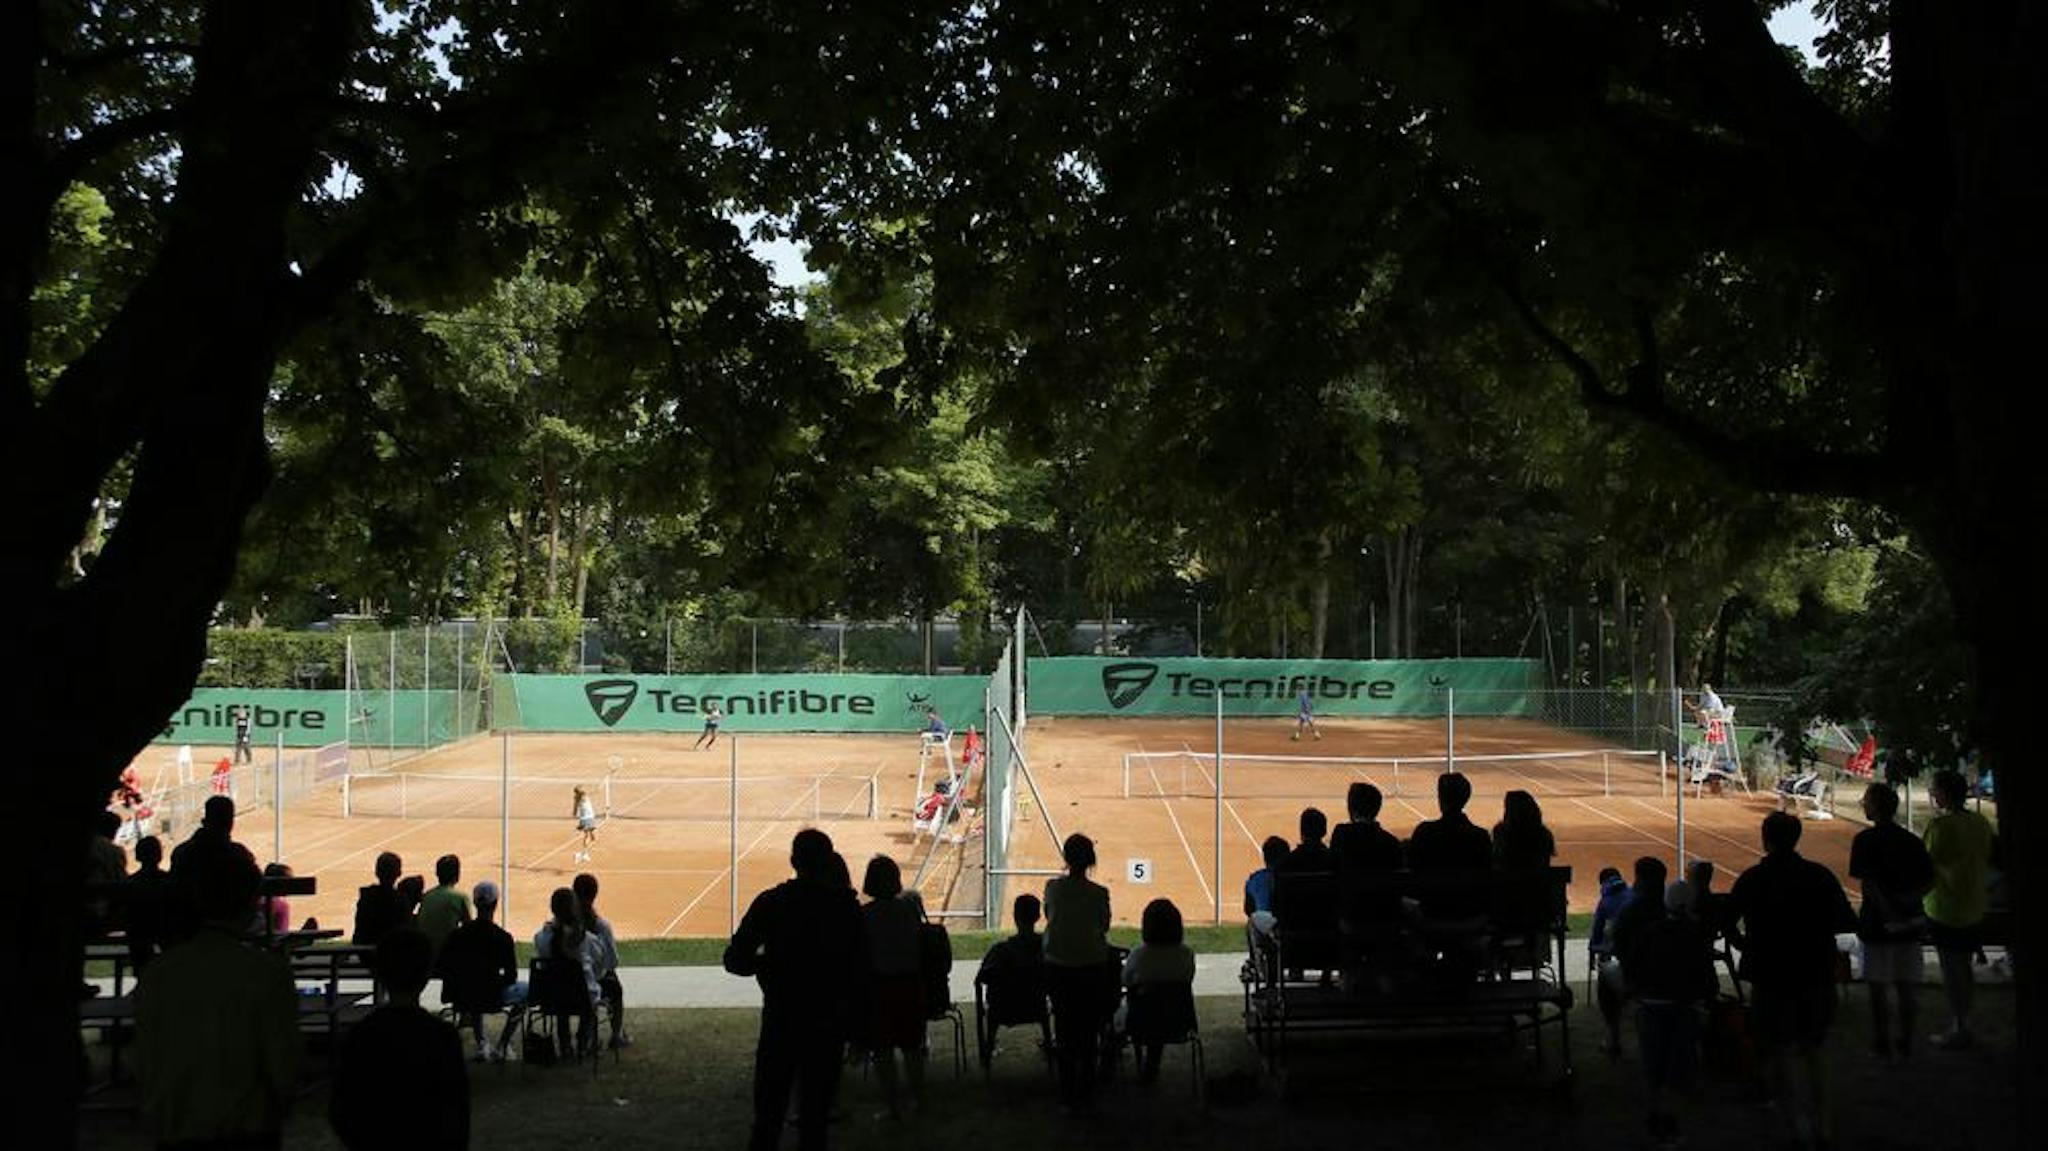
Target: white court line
[
  {"x": 1208, "y": 895},
  {"x": 769, "y": 827}
]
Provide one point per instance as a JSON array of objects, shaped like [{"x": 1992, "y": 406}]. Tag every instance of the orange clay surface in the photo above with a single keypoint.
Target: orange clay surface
[{"x": 671, "y": 876}]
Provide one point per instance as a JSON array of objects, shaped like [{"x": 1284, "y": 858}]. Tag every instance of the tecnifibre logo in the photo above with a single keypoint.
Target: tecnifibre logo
[
  {"x": 611, "y": 699},
  {"x": 1123, "y": 683}
]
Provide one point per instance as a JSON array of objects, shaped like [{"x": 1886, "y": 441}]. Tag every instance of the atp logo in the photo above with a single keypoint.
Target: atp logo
[
  {"x": 1123, "y": 683},
  {"x": 611, "y": 699}
]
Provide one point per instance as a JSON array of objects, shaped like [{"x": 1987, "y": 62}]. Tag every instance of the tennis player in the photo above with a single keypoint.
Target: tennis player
[
  {"x": 586, "y": 822},
  {"x": 1305, "y": 715},
  {"x": 709, "y": 737}
]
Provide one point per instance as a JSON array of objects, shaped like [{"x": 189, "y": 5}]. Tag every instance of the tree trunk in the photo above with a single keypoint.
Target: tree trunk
[
  {"x": 1319, "y": 599},
  {"x": 1402, "y": 556},
  {"x": 188, "y": 360},
  {"x": 551, "y": 494}
]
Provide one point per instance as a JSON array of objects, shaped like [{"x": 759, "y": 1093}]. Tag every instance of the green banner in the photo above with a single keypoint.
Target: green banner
[
  {"x": 750, "y": 702},
  {"x": 307, "y": 718},
  {"x": 1092, "y": 685}
]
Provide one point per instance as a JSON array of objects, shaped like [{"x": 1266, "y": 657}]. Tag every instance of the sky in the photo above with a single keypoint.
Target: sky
[{"x": 1795, "y": 26}]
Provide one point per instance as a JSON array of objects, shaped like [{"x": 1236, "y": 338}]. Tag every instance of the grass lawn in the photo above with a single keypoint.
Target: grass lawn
[{"x": 685, "y": 1084}]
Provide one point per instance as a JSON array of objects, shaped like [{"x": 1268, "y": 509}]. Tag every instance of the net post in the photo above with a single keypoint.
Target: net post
[
  {"x": 1219, "y": 807},
  {"x": 1450, "y": 729},
  {"x": 277, "y": 802},
  {"x": 1606, "y": 777},
  {"x": 732, "y": 835},
  {"x": 1127, "y": 775},
  {"x": 505, "y": 825},
  {"x": 347, "y": 809}
]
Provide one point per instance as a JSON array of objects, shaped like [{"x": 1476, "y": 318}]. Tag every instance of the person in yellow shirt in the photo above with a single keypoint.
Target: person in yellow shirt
[{"x": 1962, "y": 844}]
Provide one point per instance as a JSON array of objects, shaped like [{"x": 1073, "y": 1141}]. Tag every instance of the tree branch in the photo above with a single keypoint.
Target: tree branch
[
  {"x": 86, "y": 63},
  {"x": 1757, "y": 462},
  {"x": 68, "y": 161}
]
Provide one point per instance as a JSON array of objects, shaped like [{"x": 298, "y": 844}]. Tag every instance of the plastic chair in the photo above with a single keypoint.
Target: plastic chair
[{"x": 1164, "y": 1013}]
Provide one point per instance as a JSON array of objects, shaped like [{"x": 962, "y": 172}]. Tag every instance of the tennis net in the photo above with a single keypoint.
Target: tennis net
[
  {"x": 414, "y": 795},
  {"x": 1193, "y": 775}
]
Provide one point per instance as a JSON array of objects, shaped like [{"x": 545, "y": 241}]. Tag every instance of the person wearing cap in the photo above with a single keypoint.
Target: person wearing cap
[
  {"x": 480, "y": 973},
  {"x": 1670, "y": 965}
]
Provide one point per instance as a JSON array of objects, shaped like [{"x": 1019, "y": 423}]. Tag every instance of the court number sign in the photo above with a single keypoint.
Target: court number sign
[{"x": 1138, "y": 870}]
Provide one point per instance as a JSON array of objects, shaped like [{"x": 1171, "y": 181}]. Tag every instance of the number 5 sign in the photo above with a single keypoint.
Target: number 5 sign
[{"x": 1138, "y": 870}]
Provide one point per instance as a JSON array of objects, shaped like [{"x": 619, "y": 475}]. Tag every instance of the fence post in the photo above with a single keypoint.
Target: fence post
[
  {"x": 732, "y": 832},
  {"x": 391, "y": 696},
  {"x": 505, "y": 827},
  {"x": 277, "y": 807},
  {"x": 1219, "y": 807}
]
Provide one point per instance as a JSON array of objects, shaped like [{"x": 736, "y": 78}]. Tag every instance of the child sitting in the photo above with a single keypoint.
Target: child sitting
[{"x": 1161, "y": 959}]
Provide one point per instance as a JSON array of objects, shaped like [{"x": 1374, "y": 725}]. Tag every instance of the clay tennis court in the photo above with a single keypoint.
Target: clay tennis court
[{"x": 663, "y": 856}]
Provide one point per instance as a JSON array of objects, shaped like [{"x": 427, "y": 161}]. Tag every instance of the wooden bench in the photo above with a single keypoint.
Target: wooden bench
[{"x": 1496, "y": 964}]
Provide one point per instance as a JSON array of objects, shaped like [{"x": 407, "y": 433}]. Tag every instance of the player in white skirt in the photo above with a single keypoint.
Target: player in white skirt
[{"x": 586, "y": 822}]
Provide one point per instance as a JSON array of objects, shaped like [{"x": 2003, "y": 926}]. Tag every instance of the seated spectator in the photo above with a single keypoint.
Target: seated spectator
[
  {"x": 600, "y": 929},
  {"x": 1311, "y": 854},
  {"x": 411, "y": 890},
  {"x": 214, "y": 835},
  {"x": 401, "y": 1044},
  {"x": 563, "y": 940},
  {"x": 1360, "y": 850},
  {"x": 216, "y": 1022},
  {"x": 1160, "y": 958},
  {"x": 1520, "y": 841},
  {"x": 1645, "y": 904},
  {"x": 275, "y": 910},
  {"x": 1024, "y": 950},
  {"x": 106, "y": 865},
  {"x": 377, "y": 904},
  {"x": 1258, "y": 886},
  {"x": 896, "y": 1008},
  {"x": 1450, "y": 843},
  {"x": 1671, "y": 973},
  {"x": 1790, "y": 909},
  {"x": 445, "y": 908},
  {"x": 480, "y": 973}
]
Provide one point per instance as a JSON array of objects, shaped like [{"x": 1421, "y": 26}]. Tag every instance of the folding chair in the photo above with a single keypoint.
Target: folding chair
[
  {"x": 463, "y": 995},
  {"x": 556, "y": 993},
  {"x": 1164, "y": 1013},
  {"x": 1010, "y": 997}
]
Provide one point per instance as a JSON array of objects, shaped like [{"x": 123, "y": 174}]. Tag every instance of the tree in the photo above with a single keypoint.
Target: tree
[{"x": 268, "y": 168}]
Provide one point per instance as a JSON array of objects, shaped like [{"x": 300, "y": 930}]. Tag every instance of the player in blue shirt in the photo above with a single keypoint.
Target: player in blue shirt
[{"x": 1305, "y": 715}]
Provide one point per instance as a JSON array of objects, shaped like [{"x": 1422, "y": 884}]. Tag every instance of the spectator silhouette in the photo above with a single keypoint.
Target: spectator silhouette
[
  {"x": 1311, "y": 854},
  {"x": 1606, "y": 965},
  {"x": 896, "y": 993},
  {"x": 1361, "y": 850},
  {"x": 411, "y": 890},
  {"x": 608, "y": 984},
  {"x": 217, "y": 1034},
  {"x": 1258, "y": 886},
  {"x": 1450, "y": 843},
  {"x": 1645, "y": 906},
  {"x": 480, "y": 972},
  {"x": 1671, "y": 972},
  {"x": 214, "y": 836},
  {"x": 802, "y": 940},
  {"x": 106, "y": 865},
  {"x": 1790, "y": 909},
  {"x": 1023, "y": 952},
  {"x": 1520, "y": 841},
  {"x": 1896, "y": 873},
  {"x": 1076, "y": 975},
  {"x": 563, "y": 939},
  {"x": 1161, "y": 958},
  {"x": 1962, "y": 846},
  {"x": 152, "y": 903},
  {"x": 401, "y": 1043},
  {"x": 377, "y": 906},
  {"x": 445, "y": 908}
]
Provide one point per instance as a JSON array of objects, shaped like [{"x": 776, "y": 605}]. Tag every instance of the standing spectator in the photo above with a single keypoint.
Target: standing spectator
[
  {"x": 216, "y": 1022},
  {"x": 445, "y": 908},
  {"x": 1607, "y": 988},
  {"x": 401, "y": 1043},
  {"x": 213, "y": 837},
  {"x": 896, "y": 995},
  {"x": 801, "y": 939},
  {"x": 480, "y": 973},
  {"x": 216, "y": 829},
  {"x": 1076, "y": 952},
  {"x": 151, "y": 902},
  {"x": 1790, "y": 909},
  {"x": 1896, "y": 874},
  {"x": 1961, "y": 844},
  {"x": 563, "y": 940},
  {"x": 608, "y": 983},
  {"x": 1311, "y": 854},
  {"x": 1161, "y": 959},
  {"x": 1671, "y": 972},
  {"x": 377, "y": 904},
  {"x": 106, "y": 865}
]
